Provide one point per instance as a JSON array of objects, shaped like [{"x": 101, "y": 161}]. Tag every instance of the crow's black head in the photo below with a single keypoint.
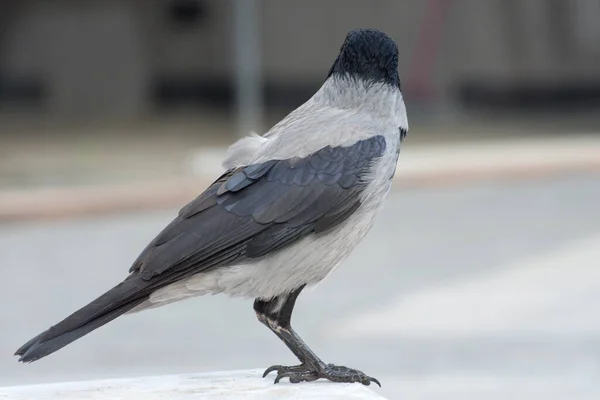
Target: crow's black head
[{"x": 368, "y": 54}]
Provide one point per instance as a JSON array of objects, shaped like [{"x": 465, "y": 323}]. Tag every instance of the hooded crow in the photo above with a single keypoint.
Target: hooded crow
[{"x": 290, "y": 207}]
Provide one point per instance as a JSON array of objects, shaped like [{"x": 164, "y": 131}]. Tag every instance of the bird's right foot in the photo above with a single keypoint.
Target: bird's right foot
[{"x": 334, "y": 373}]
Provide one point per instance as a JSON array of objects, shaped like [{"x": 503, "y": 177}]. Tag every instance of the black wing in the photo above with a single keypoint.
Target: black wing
[
  {"x": 252, "y": 211},
  {"x": 247, "y": 213}
]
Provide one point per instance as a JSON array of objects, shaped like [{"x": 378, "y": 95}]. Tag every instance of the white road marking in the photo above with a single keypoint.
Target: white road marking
[{"x": 558, "y": 292}]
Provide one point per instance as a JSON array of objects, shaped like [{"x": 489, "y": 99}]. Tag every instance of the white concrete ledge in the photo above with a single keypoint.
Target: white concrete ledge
[{"x": 238, "y": 385}]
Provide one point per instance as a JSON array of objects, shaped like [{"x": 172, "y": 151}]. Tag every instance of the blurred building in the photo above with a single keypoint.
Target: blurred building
[{"x": 132, "y": 57}]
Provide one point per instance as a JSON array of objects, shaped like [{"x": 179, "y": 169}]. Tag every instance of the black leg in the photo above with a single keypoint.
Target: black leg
[{"x": 276, "y": 314}]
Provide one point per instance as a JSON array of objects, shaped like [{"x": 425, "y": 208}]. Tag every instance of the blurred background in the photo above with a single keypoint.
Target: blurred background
[{"x": 481, "y": 280}]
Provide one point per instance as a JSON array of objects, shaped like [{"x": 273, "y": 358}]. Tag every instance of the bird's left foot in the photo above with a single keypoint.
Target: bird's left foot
[{"x": 334, "y": 373}]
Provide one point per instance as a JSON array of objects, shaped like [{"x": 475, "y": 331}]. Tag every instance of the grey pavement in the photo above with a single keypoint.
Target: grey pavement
[{"x": 427, "y": 240}]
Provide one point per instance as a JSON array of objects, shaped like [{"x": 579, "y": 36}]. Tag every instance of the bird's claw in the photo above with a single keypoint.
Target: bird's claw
[
  {"x": 334, "y": 373},
  {"x": 296, "y": 373},
  {"x": 339, "y": 373}
]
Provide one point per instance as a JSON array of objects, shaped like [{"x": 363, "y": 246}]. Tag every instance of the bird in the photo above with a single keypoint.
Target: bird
[{"x": 290, "y": 207}]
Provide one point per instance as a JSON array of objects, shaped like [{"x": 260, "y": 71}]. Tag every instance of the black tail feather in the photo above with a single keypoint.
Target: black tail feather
[{"x": 117, "y": 301}]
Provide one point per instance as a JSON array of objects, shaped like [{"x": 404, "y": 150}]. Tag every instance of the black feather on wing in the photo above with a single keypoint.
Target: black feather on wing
[
  {"x": 254, "y": 210},
  {"x": 247, "y": 213}
]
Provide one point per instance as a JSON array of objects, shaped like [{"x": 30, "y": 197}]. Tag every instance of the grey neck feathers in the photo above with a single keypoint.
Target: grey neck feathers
[{"x": 378, "y": 99}]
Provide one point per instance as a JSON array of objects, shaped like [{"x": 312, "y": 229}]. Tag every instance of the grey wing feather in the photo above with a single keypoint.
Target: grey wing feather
[
  {"x": 248, "y": 212},
  {"x": 254, "y": 210}
]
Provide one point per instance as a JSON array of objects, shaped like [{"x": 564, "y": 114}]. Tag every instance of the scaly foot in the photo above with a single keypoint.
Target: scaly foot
[{"x": 334, "y": 373}]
